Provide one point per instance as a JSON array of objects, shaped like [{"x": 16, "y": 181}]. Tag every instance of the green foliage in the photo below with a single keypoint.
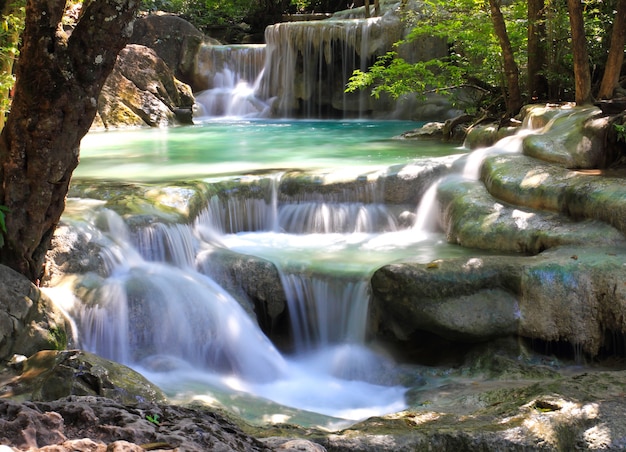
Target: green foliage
[
  {"x": 11, "y": 27},
  {"x": 204, "y": 13},
  {"x": 474, "y": 55},
  {"x": 621, "y": 132},
  {"x": 3, "y": 225},
  {"x": 154, "y": 418}
]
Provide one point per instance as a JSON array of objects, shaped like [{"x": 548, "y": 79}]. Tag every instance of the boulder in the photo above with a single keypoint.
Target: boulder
[
  {"x": 174, "y": 40},
  {"x": 29, "y": 320},
  {"x": 575, "y": 138},
  {"x": 50, "y": 375},
  {"x": 143, "y": 91},
  {"x": 573, "y": 295}
]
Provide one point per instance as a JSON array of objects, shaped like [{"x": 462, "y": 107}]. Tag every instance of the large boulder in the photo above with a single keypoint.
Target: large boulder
[
  {"x": 29, "y": 320},
  {"x": 175, "y": 40},
  {"x": 143, "y": 91}
]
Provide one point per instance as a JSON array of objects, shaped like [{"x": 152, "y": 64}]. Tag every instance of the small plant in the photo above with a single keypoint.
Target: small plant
[
  {"x": 621, "y": 132},
  {"x": 3, "y": 225},
  {"x": 154, "y": 418}
]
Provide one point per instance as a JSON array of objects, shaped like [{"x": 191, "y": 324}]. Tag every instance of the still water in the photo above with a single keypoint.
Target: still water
[{"x": 238, "y": 147}]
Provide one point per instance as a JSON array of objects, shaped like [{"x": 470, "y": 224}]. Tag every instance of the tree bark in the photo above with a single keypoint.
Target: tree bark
[
  {"x": 511, "y": 72},
  {"x": 615, "y": 59},
  {"x": 537, "y": 83},
  {"x": 58, "y": 81},
  {"x": 367, "y": 9},
  {"x": 582, "y": 73}
]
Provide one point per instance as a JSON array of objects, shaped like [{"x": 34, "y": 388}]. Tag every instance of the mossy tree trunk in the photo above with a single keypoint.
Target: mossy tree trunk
[{"x": 58, "y": 81}]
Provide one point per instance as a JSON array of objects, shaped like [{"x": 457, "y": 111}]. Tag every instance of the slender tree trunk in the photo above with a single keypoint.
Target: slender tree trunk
[
  {"x": 537, "y": 82},
  {"x": 615, "y": 59},
  {"x": 582, "y": 73},
  {"x": 367, "y": 8},
  {"x": 376, "y": 7},
  {"x": 514, "y": 97},
  {"x": 58, "y": 81}
]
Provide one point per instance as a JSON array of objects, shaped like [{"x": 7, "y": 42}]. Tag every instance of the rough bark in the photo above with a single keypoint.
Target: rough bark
[
  {"x": 514, "y": 94},
  {"x": 615, "y": 59},
  {"x": 537, "y": 83},
  {"x": 58, "y": 80},
  {"x": 582, "y": 73}
]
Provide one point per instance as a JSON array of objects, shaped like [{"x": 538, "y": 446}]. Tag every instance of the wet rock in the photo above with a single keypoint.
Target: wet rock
[
  {"x": 51, "y": 375},
  {"x": 575, "y": 139},
  {"x": 143, "y": 91},
  {"x": 524, "y": 181},
  {"x": 29, "y": 321},
  {"x": 576, "y": 295},
  {"x": 473, "y": 218}
]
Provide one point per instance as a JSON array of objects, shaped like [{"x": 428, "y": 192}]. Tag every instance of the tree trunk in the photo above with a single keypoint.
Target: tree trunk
[
  {"x": 514, "y": 94},
  {"x": 537, "y": 83},
  {"x": 376, "y": 7},
  {"x": 58, "y": 81},
  {"x": 615, "y": 59},
  {"x": 582, "y": 74},
  {"x": 367, "y": 9}
]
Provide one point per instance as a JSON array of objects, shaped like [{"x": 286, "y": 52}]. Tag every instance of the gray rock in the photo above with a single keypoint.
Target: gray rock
[
  {"x": 142, "y": 90},
  {"x": 29, "y": 321}
]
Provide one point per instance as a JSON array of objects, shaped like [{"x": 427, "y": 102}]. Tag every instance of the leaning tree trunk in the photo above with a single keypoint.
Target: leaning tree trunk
[
  {"x": 58, "y": 81},
  {"x": 582, "y": 73},
  {"x": 614, "y": 61},
  {"x": 511, "y": 72}
]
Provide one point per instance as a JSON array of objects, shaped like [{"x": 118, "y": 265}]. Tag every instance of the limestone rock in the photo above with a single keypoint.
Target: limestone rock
[
  {"x": 142, "y": 90},
  {"x": 174, "y": 40},
  {"x": 573, "y": 139},
  {"x": 523, "y": 181},
  {"x": 29, "y": 321},
  {"x": 473, "y": 218},
  {"x": 577, "y": 295},
  {"x": 51, "y": 375}
]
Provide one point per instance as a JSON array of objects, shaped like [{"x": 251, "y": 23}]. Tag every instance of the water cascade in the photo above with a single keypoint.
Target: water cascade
[
  {"x": 305, "y": 70},
  {"x": 232, "y": 77},
  {"x": 157, "y": 307}
]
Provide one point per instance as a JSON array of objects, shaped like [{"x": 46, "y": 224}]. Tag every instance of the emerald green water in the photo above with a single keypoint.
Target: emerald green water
[
  {"x": 222, "y": 148},
  {"x": 331, "y": 372}
]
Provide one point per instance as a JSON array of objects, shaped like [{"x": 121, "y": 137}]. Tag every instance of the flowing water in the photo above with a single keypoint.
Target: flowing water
[{"x": 158, "y": 311}]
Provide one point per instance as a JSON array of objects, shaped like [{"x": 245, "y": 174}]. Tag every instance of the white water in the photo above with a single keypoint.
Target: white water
[{"x": 301, "y": 71}]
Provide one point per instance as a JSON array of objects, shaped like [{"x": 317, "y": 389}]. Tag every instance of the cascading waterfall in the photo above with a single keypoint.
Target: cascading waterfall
[
  {"x": 233, "y": 75},
  {"x": 158, "y": 311},
  {"x": 304, "y": 72}
]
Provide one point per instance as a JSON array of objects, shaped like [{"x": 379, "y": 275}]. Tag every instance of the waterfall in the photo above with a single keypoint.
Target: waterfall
[
  {"x": 233, "y": 74},
  {"x": 301, "y": 71},
  {"x": 145, "y": 309}
]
